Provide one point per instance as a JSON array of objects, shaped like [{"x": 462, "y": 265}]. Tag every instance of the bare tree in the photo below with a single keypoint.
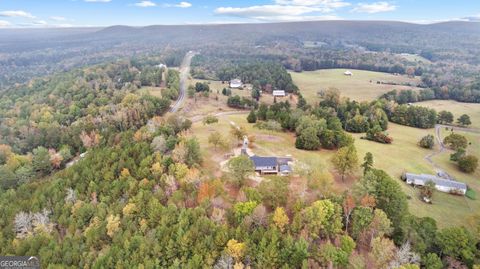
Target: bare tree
[
  {"x": 71, "y": 196},
  {"x": 23, "y": 224},
  {"x": 404, "y": 255}
]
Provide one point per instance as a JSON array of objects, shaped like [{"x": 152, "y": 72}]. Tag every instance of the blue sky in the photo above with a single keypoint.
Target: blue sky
[{"x": 68, "y": 13}]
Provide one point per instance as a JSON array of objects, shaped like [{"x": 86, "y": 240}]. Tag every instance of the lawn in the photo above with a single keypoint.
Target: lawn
[
  {"x": 404, "y": 155},
  {"x": 457, "y": 108},
  {"x": 401, "y": 156},
  {"x": 362, "y": 86}
]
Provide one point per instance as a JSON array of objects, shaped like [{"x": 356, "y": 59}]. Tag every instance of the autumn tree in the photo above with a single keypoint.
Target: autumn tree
[
  {"x": 345, "y": 160},
  {"x": 280, "y": 219},
  {"x": 455, "y": 141},
  {"x": 348, "y": 206},
  {"x": 217, "y": 140},
  {"x": 240, "y": 168},
  {"x": 468, "y": 163}
]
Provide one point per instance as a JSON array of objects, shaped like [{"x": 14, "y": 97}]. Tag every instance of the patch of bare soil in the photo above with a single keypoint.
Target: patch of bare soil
[
  {"x": 269, "y": 138},
  {"x": 343, "y": 185}
]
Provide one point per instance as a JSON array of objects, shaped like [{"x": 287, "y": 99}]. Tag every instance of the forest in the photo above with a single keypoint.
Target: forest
[{"x": 94, "y": 173}]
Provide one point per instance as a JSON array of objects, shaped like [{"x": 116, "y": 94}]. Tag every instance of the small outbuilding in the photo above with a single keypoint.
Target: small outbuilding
[
  {"x": 235, "y": 83},
  {"x": 279, "y": 93}
]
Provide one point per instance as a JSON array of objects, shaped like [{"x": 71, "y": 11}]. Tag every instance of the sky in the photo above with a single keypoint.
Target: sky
[{"x": 84, "y": 13}]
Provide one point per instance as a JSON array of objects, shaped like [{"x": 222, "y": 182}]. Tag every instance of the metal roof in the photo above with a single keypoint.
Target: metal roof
[
  {"x": 279, "y": 93},
  {"x": 264, "y": 161},
  {"x": 437, "y": 180},
  {"x": 285, "y": 168}
]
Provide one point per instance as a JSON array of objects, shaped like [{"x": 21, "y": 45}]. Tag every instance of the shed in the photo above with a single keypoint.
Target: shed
[
  {"x": 279, "y": 93},
  {"x": 236, "y": 83}
]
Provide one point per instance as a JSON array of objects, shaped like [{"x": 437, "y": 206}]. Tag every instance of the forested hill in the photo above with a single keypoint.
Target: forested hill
[{"x": 28, "y": 53}]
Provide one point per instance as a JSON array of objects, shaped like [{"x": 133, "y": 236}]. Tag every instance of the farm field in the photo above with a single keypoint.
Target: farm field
[
  {"x": 362, "y": 86},
  {"x": 457, "y": 108},
  {"x": 401, "y": 156}
]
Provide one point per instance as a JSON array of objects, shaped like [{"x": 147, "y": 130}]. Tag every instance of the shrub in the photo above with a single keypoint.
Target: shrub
[
  {"x": 468, "y": 164},
  {"x": 427, "y": 142}
]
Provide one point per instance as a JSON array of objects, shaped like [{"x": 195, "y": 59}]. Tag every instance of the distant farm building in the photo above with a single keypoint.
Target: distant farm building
[
  {"x": 236, "y": 83},
  {"x": 441, "y": 184},
  {"x": 279, "y": 93},
  {"x": 272, "y": 165},
  {"x": 348, "y": 73}
]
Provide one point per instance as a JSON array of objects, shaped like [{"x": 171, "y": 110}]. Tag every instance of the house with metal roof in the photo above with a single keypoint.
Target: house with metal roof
[
  {"x": 441, "y": 184},
  {"x": 271, "y": 165}
]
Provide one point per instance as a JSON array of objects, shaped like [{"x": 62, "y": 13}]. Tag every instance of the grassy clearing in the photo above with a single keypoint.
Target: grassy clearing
[
  {"x": 401, "y": 156},
  {"x": 457, "y": 108},
  {"x": 404, "y": 155},
  {"x": 362, "y": 86},
  {"x": 415, "y": 58},
  {"x": 217, "y": 102},
  {"x": 155, "y": 91}
]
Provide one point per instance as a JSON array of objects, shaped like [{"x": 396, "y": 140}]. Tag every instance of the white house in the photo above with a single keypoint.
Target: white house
[
  {"x": 235, "y": 83},
  {"x": 348, "y": 73},
  {"x": 279, "y": 93},
  {"x": 441, "y": 184}
]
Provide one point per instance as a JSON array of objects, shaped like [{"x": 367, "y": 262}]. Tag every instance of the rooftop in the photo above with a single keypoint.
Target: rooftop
[
  {"x": 437, "y": 180},
  {"x": 264, "y": 161}
]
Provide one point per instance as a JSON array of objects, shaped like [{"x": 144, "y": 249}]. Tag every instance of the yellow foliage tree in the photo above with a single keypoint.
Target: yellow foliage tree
[
  {"x": 129, "y": 209},
  {"x": 280, "y": 219},
  {"x": 236, "y": 249},
  {"x": 113, "y": 225}
]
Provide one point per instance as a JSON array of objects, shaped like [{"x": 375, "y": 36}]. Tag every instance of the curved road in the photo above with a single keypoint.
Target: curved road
[{"x": 184, "y": 72}]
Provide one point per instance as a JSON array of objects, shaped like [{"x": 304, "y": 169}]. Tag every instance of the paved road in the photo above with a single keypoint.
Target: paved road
[{"x": 184, "y": 72}]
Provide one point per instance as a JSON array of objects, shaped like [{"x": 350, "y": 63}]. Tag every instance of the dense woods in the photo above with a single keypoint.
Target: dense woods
[
  {"x": 93, "y": 174},
  {"x": 50, "y": 121}
]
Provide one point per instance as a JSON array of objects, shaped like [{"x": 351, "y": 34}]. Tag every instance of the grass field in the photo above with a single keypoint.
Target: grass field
[
  {"x": 457, "y": 108},
  {"x": 404, "y": 155},
  {"x": 217, "y": 102},
  {"x": 362, "y": 86},
  {"x": 415, "y": 58},
  {"x": 401, "y": 156}
]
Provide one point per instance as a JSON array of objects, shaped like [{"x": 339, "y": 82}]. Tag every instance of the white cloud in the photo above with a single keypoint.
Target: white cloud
[
  {"x": 330, "y": 4},
  {"x": 374, "y": 7},
  {"x": 183, "y": 5},
  {"x": 474, "y": 18},
  {"x": 145, "y": 4},
  {"x": 4, "y": 24},
  {"x": 16, "y": 13},
  {"x": 58, "y": 18},
  {"x": 97, "y": 1},
  {"x": 265, "y": 11},
  {"x": 180, "y": 5},
  {"x": 287, "y": 10}
]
